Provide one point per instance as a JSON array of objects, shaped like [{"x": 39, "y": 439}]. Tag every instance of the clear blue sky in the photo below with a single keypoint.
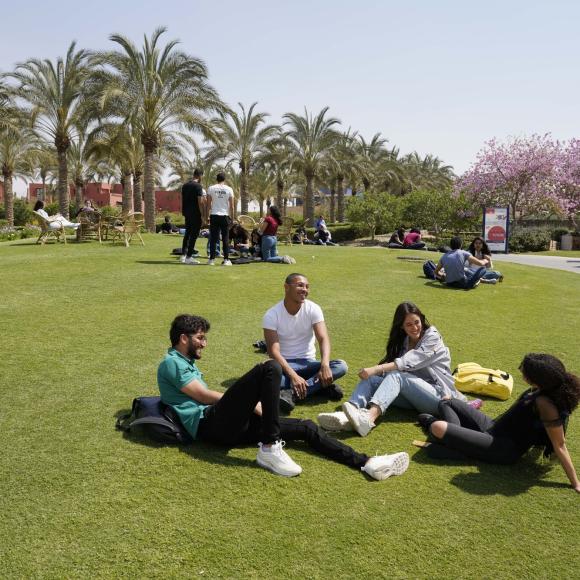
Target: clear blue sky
[{"x": 435, "y": 77}]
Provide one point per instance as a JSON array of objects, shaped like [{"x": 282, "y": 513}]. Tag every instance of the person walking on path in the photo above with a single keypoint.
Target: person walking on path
[
  {"x": 193, "y": 210},
  {"x": 221, "y": 213}
]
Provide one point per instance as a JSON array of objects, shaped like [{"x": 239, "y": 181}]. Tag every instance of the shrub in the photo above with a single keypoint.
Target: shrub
[
  {"x": 558, "y": 233},
  {"x": 530, "y": 240}
]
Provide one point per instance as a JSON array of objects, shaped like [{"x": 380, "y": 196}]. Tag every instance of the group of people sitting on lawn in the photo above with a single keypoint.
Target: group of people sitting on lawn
[
  {"x": 414, "y": 374},
  {"x": 458, "y": 268},
  {"x": 410, "y": 241}
]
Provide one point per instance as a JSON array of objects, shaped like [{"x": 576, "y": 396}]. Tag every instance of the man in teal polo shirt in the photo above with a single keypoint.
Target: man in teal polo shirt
[{"x": 248, "y": 411}]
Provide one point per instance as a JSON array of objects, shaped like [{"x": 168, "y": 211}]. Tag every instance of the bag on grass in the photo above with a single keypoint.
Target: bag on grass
[
  {"x": 154, "y": 419},
  {"x": 429, "y": 268},
  {"x": 473, "y": 378}
]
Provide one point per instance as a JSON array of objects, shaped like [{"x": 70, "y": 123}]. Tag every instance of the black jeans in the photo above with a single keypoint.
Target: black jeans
[
  {"x": 217, "y": 224},
  {"x": 232, "y": 421},
  {"x": 192, "y": 228},
  {"x": 470, "y": 434}
]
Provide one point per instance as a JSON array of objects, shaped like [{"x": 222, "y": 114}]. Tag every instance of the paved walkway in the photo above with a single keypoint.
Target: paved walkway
[{"x": 555, "y": 262}]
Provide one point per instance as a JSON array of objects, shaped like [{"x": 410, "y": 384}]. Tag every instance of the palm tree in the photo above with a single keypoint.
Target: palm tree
[
  {"x": 156, "y": 90},
  {"x": 17, "y": 145},
  {"x": 370, "y": 155},
  {"x": 262, "y": 187},
  {"x": 426, "y": 173},
  {"x": 240, "y": 138},
  {"x": 275, "y": 158},
  {"x": 46, "y": 167},
  {"x": 310, "y": 140},
  {"x": 342, "y": 163},
  {"x": 81, "y": 169},
  {"x": 54, "y": 94}
]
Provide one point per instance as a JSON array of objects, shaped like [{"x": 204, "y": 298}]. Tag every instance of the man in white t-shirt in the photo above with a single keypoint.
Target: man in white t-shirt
[
  {"x": 290, "y": 329},
  {"x": 220, "y": 202}
]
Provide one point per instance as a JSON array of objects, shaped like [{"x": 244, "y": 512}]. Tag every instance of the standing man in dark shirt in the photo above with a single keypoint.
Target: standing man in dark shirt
[{"x": 192, "y": 208}]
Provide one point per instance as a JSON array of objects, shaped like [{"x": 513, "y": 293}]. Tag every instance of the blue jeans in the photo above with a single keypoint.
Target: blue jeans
[
  {"x": 308, "y": 369},
  {"x": 472, "y": 277},
  {"x": 404, "y": 390},
  {"x": 269, "y": 251}
]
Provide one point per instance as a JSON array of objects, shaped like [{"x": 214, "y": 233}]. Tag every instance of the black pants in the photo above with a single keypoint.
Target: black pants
[
  {"x": 470, "y": 434},
  {"x": 192, "y": 228},
  {"x": 232, "y": 421},
  {"x": 219, "y": 224}
]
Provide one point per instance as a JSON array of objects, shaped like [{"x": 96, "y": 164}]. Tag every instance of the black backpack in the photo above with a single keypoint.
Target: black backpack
[
  {"x": 154, "y": 419},
  {"x": 429, "y": 268}
]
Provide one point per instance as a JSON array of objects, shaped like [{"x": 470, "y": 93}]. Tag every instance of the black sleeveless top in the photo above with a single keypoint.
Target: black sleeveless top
[{"x": 522, "y": 424}]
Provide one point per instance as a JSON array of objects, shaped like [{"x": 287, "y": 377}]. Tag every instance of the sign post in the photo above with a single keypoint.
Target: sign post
[{"x": 496, "y": 228}]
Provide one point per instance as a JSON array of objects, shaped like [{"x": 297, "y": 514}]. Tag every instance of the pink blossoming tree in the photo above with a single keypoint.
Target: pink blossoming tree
[
  {"x": 569, "y": 179},
  {"x": 521, "y": 173}
]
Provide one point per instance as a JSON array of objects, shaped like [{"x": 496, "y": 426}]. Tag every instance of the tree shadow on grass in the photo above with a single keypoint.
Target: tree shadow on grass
[{"x": 506, "y": 480}]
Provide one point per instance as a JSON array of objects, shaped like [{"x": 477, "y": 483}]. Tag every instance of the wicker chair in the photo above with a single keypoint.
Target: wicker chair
[
  {"x": 284, "y": 232},
  {"x": 130, "y": 227},
  {"x": 247, "y": 222},
  {"x": 91, "y": 226}
]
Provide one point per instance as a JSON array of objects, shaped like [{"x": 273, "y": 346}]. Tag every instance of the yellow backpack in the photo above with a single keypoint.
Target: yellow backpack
[{"x": 473, "y": 378}]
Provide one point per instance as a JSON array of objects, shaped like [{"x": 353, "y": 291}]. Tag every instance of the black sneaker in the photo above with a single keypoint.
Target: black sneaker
[
  {"x": 287, "y": 401},
  {"x": 425, "y": 420},
  {"x": 332, "y": 393}
]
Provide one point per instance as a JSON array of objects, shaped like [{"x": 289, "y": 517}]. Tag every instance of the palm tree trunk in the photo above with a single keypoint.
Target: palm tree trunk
[
  {"x": 137, "y": 192},
  {"x": 149, "y": 190},
  {"x": 244, "y": 190},
  {"x": 279, "y": 193},
  {"x": 63, "y": 197},
  {"x": 127, "y": 192},
  {"x": 332, "y": 205},
  {"x": 308, "y": 212},
  {"x": 340, "y": 195},
  {"x": 8, "y": 198},
  {"x": 79, "y": 192}
]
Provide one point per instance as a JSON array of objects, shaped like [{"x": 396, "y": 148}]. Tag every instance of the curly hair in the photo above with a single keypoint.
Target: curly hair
[
  {"x": 397, "y": 335},
  {"x": 186, "y": 324},
  {"x": 552, "y": 379}
]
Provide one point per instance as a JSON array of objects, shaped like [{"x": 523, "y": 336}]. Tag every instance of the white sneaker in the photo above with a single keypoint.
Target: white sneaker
[
  {"x": 383, "y": 466},
  {"x": 190, "y": 261},
  {"x": 226, "y": 263},
  {"x": 334, "y": 421},
  {"x": 182, "y": 258},
  {"x": 288, "y": 260},
  {"x": 275, "y": 459},
  {"x": 358, "y": 418},
  {"x": 211, "y": 262}
]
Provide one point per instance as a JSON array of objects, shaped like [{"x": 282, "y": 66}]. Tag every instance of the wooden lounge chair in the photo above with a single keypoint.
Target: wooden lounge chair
[
  {"x": 130, "y": 227},
  {"x": 48, "y": 229}
]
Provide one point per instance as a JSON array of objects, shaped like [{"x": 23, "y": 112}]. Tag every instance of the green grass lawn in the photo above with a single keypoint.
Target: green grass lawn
[{"x": 84, "y": 327}]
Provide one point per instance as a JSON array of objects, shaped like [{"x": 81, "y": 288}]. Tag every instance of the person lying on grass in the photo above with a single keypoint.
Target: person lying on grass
[
  {"x": 248, "y": 413},
  {"x": 414, "y": 374},
  {"x": 537, "y": 419}
]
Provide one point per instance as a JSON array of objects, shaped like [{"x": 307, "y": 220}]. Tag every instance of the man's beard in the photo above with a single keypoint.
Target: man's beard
[{"x": 192, "y": 353}]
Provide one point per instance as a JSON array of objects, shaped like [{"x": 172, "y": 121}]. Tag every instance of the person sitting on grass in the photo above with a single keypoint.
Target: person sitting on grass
[
  {"x": 537, "y": 419},
  {"x": 167, "y": 227},
  {"x": 290, "y": 329},
  {"x": 269, "y": 242},
  {"x": 301, "y": 236},
  {"x": 247, "y": 413},
  {"x": 454, "y": 262},
  {"x": 240, "y": 239},
  {"x": 412, "y": 240},
  {"x": 396, "y": 239},
  {"x": 480, "y": 250},
  {"x": 414, "y": 374},
  {"x": 55, "y": 222}
]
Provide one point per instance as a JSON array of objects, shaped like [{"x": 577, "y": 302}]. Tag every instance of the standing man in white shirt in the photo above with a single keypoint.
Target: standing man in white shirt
[
  {"x": 290, "y": 329},
  {"x": 220, "y": 198}
]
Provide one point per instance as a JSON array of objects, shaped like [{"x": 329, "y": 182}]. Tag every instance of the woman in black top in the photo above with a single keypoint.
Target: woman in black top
[{"x": 537, "y": 419}]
